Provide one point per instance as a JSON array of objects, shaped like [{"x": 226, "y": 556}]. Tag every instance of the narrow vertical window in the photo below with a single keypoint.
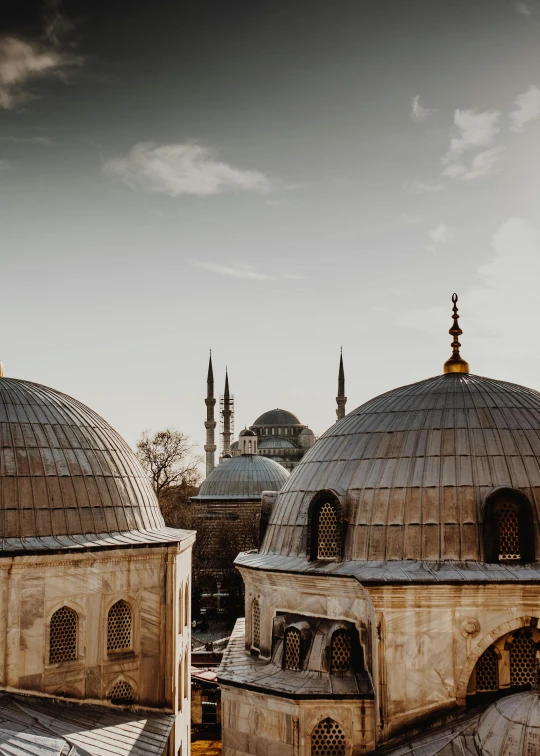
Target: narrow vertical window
[
  {"x": 181, "y": 608},
  {"x": 327, "y": 532},
  {"x": 292, "y": 650},
  {"x": 487, "y": 672},
  {"x": 522, "y": 659},
  {"x": 507, "y": 521},
  {"x": 180, "y": 686},
  {"x": 63, "y": 636},
  {"x": 341, "y": 652},
  {"x": 256, "y": 624},
  {"x": 186, "y": 605},
  {"x": 187, "y": 674},
  {"x": 119, "y": 627}
]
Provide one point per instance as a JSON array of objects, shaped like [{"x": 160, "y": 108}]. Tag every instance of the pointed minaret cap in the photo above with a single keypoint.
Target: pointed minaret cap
[{"x": 456, "y": 363}]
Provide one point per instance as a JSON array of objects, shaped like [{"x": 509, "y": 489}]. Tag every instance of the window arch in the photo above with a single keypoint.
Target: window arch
[
  {"x": 328, "y": 739},
  {"x": 325, "y": 527},
  {"x": 121, "y": 694},
  {"x": 292, "y": 644},
  {"x": 256, "y": 624},
  {"x": 119, "y": 627},
  {"x": 508, "y": 527},
  {"x": 341, "y": 652},
  {"x": 63, "y": 635}
]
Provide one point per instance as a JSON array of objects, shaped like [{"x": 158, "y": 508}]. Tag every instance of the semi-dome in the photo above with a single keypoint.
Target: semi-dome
[
  {"x": 243, "y": 477},
  {"x": 510, "y": 726},
  {"x": 65, "y": 473},
  {"x": 412, "y": 469},
  {"x": 277, "y": 417}
]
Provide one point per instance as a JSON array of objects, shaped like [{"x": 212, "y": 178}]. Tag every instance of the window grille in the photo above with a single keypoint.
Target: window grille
[
  {"x": 119, "y": 627},
  {"x": 508, "y": 528},
  {"x": 63, "y": 636},
  {"x": 121, "y": 694},
  {"x": 487, "y": 668},
  {"x": 328, "y": 739},
  {"x": 256, "y": 624},
  {"x": 522, "y": 660},
  {"x": 292, "y": 649},
  {"x": 327, "y": 541},
  {"x": 341, "y": 652}
]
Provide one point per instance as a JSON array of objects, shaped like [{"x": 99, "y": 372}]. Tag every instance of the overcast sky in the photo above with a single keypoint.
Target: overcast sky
[{"x": 271, "y": 179}]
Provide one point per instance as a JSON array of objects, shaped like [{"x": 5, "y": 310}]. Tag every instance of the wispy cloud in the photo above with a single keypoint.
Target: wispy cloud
[
  {"x": 236, "y": 270},
  {"x": 527, "y": 108},
  {"x": 178, "y": 169},
  {"x": 418, "y": 113},
  {"x": 441, "y": 234},
  {"x": 414, "y": 186},
  {"x": 26, "y": 140},
  {"x": 22, "y": 62},
  {"x": 523, "y": 9},
  {"x": 483, "y": 164},
  {"x": 473, "y": 130}
]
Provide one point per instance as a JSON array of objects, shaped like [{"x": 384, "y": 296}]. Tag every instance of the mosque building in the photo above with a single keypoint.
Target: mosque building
[
  {"x": 94, "y": 590},
  {"x": 394, "y": 603}
]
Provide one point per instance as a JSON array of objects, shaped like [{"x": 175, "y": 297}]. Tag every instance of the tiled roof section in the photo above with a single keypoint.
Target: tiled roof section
[
  {"x": 413, "y": 467},
  {"x": 242, "y": 477},
  {"x": 239, "y": 667},
  {"x": 64, "y": 470},
  {"x": 47, "y": 727}
]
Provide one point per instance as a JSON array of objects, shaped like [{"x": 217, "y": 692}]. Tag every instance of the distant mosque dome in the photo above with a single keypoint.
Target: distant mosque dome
[
  {"x": 244, "y": 477},
  {"x": 277, "y": 417},
  {"x": 510, "y": 726},
  {"x": 275, "y": 442},
  {"x": 245, "y": 432},
  {"x": 65, "y": 472}
]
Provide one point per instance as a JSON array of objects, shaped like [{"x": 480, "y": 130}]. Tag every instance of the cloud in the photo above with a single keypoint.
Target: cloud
[
  {"x": 527, "y": 108},
  {"x": 177, "y": 169},
  {"x": 473, "y": 130},
  {"x": 441, "y": 234},
  {"x": 238, "y": 270},
  {"x": 26, "y": 140},
  {"x": 419, "y": 187},
  {"x": 483, "y": 164},
  {"x": 418, "y": 113},
  {"x": 59, "y": 28},
  {"x": 523, "y": 9}
]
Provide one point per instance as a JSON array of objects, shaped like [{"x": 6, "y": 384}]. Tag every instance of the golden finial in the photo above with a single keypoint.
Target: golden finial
[{"x": 456, "y": 364}]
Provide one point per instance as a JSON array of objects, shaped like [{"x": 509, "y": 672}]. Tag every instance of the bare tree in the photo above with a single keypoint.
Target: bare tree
[{"x": 168, "y": 459}]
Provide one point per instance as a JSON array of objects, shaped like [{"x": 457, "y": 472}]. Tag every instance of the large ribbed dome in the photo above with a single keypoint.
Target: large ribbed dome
[
  {"x": 244, "y": 477},
  {"x": 65, "y": 472},
  {"x": 413, "y": 468},
  {"x": 277, "y": 417},
  {"x": 510, "y": 727}
]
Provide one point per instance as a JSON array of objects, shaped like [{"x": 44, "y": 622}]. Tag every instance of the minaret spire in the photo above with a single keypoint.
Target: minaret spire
[
  {"x": 226, "y": 414},
  {"x": 341, "y": 399},
  {"x": 456, "y": 363},
  {"x": 210, "y": 424}
]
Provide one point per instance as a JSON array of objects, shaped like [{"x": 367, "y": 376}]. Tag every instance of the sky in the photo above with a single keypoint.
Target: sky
[{"x": 271, "y": 180}]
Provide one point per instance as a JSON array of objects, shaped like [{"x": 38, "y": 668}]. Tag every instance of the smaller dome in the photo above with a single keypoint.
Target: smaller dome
[
  {"x": 306, "y": 432},
  {"x": 276, "y": 442},
  {"x": 247, "y": 432},
  {"x": 277, "y": 417},
  {"x": 510, "y": 726},
  {"x": 244, "y": 477}
]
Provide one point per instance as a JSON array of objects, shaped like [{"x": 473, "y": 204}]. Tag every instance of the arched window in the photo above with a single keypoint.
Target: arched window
[
  {"x": 249, "y": 446},
  {"x": 522, "y": 659},
  {"x": 186, "y": 605},
  {"x": 292, "y": 649},
  {"x": 121, "y": 694},
  {"x": 256, "y": 624},
  {"x": 487, "y": 671},
  {"x": 508, "y": 527},
  {"x": 327, "y": 531},
  {"x": 119, "y": 627},
  {"x": 341, "y": 652},
  {"x": 328, "y": 739},
  {"x": 181, "y": 608},
  {"x": 63, "y": 636}
]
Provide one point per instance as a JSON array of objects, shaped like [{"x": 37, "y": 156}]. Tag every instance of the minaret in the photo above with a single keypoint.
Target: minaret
[
  {"x": 210, "y": 424},
  {"x": 226, "y": 413},
  {"x": 341, "y": 399}
]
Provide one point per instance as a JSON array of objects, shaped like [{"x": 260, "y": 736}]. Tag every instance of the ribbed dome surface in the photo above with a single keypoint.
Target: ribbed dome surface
[
  {"x": 413, "y": 467},
  {"x": 510, "y": 727},
  {"x": 277, "y": 417},
  {"x": 243, "y": 477},
  {"x": 276, "y": 442},
  {"x": 64, "y": 470}
]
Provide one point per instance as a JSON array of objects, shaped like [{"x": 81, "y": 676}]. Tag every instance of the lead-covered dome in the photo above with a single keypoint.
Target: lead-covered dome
[
  {"x": 244, "y": 477},
  {"x": 277, "y": 417},
  {"x": 510, "y": 727},
  {"x": 65, "y": 472},
  {"x": 413, "y": 467}
]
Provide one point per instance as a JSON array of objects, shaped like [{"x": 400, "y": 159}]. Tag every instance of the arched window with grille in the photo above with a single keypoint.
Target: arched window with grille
[
  {"x": 508, "y": 528},
  {"x": 256, "y": 624},
  {"x": 325, "y": 527},
  {"x": 487, "y": 671},
  {"x": 63, "y": 629},
  {"x": 121, "y": 694},
  {"x": 522, "y": 659},
  {"x": 341, "y": 652},
  {"x": 292, "y": 649},
  {"x": 328, "y": 739},
  {"x": 119, "y": 628}
]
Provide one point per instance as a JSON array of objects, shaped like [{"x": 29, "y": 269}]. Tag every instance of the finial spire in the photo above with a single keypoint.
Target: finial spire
[
  {"x": 456, "y": 363},
  {"x": 341, "y": 399}
]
